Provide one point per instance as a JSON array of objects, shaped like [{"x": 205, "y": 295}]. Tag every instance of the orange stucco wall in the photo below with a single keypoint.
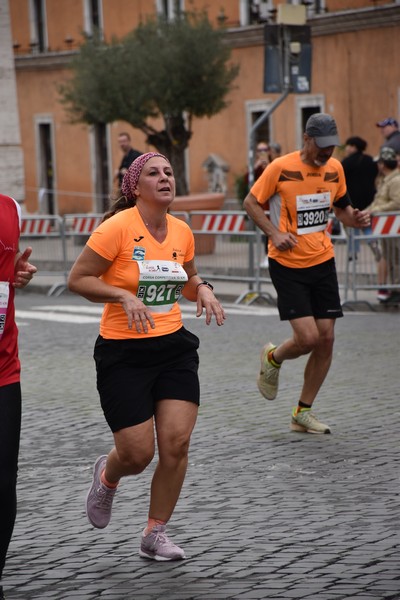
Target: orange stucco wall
[
  {"x": 38, "y": 100},
  {"x": 360, "y": 85},
  {"x": 19, "y": 18},
  {"x": 353, "y": 72}
]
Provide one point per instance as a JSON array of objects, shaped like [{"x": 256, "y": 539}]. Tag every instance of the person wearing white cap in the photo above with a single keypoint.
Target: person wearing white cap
[
  {"x": 300, "y": 189},
  {"x": 391, "y": 134},
  {"x": 387, "y": 199}
]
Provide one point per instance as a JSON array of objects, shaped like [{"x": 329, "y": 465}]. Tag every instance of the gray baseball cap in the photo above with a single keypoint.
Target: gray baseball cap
[{"x": 322, "y": 128}]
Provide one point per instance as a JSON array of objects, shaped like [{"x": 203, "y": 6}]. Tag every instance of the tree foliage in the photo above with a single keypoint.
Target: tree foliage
[{"x": 176, "y": 70}]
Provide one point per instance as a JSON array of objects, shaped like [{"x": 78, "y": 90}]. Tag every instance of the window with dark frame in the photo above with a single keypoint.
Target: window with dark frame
[
  {"x": 170, "y": 8},
  {"x": 39, "y": 43},
  {"x": 46, "y": 166},
  {"x": 306, "y": 113},
  {"x": 262, "y": 133},
  {"x": 94, "y": 10}
]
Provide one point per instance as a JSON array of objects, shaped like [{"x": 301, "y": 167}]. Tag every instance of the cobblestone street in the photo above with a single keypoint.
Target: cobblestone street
[{"x": 265, "y": 513}]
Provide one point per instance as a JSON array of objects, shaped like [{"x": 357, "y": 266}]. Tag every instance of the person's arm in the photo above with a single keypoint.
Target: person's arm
[
  {"x": 282, "y": 240},
  {"x": 23, "y": 270},
  {"x": 352, "y": 217},
  {"x": 344, "y": 211},
  {"x": 196, "y": 290},
  {"x": 84, "y": 279}
]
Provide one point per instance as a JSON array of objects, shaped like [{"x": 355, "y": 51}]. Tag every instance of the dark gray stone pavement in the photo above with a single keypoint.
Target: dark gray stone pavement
[{"x": 265, "y": 513}]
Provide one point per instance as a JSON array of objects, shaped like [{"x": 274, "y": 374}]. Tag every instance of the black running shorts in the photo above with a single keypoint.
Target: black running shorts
[
  {"x": 132, "y": 375},
  {"x": 309, "y": 292}
]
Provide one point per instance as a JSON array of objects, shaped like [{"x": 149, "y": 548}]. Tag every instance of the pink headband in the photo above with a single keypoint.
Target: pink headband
[{"x": 132, "y": 175}]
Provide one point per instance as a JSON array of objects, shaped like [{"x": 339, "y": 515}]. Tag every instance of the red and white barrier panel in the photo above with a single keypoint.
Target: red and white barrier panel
[
  {"x": 386, "y": 224},
  {"x": 223, "y": 223},
  {"x": 36, "y": 226},
  {"x": 329, "y": 228},
  {"x": 86, "y": 224}
]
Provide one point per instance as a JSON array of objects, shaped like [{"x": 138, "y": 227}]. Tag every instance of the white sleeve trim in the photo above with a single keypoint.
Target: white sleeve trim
[{"x": 19, "y": 212}]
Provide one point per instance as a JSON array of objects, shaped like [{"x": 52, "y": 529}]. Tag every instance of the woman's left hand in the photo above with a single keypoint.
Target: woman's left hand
[
  {"x": 206, "y": 300},
  {"x": 24, "y": 271}
]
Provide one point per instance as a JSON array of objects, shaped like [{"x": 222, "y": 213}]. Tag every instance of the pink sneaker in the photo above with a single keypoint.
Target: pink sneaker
[
  {"x": 157, "y": 546},
  {"x": 100, "y": 498}
]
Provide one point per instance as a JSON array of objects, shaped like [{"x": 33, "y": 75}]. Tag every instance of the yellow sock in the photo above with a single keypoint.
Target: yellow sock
[
  {"x": 301, "y": 409},
  {"x": 272, "y": 360}
]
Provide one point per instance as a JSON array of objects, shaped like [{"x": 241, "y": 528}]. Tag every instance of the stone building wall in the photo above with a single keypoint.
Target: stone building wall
[{"x": 11, "y": 155}]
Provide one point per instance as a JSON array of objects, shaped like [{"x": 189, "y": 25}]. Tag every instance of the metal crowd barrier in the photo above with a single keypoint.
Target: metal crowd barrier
[
  {"x": 228, "y": 248},
  {"x": 45, "y": 234},
  {"x": 366, "y": 248},
  {"x": 239, "y": 250},
  {"x": 77, "y": 229}
]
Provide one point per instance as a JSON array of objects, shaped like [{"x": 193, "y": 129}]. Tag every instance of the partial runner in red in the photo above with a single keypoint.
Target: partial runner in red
[{"x": 15, "y": 272}]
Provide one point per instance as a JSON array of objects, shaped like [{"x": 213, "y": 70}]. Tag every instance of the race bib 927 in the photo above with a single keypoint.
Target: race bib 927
[{"x": 160, "y": 284}]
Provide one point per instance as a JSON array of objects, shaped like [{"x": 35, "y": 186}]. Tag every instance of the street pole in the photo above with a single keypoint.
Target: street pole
[{"x": 285, "y": 57}]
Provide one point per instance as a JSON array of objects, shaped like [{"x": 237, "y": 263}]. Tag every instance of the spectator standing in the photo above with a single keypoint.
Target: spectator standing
[
  {"x": 300, "y": 189},
  {"x": 129, "y": 155},
  {"x": 265, "y": 154},
  {"x": 15, "y": 272},
  {"x": 361, "y": 172},
  {"x": 262, "y": 159},
  {"x": 138, "y": 262},
  {"x": 390, "y": 131},
  {"x": 387, "y": 199},
  {"x": 275, "y": 150}
]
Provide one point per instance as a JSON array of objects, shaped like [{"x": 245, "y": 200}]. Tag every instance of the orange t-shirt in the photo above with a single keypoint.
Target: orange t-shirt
[
  {"x": 151, "y": 270},
  {"x": 299, "y": 198}
]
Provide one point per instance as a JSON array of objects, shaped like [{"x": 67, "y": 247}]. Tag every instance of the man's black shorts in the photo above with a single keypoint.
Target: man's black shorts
[
  {"x": 309, "y": 292},
  {"x": 132, "y": 375}
]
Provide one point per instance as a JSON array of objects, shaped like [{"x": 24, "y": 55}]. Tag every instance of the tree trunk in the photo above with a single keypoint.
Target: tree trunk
[
  {"x": 177, "y": 159},
  {"x": 172, "y": 142}
]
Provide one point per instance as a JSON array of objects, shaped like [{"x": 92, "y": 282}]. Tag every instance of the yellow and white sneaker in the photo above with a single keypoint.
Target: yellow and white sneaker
[
  {"x": 268, "y": 378},
  {"x": 304, "y": 421}
]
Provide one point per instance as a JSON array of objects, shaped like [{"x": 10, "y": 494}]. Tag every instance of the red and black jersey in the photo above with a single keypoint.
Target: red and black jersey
[{"x": 9, "y": 242}]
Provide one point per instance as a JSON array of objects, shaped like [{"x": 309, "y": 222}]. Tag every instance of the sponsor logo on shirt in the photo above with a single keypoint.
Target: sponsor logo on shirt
[{"x": 138, "y": 253}]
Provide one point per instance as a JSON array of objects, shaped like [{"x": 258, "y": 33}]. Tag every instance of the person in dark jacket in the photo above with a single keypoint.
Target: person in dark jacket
[
  {"x": 361, "y": 172},
  {"x": 124, "y": 141}
]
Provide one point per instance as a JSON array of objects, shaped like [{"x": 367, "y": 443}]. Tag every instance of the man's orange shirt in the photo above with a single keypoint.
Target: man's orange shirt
[
  {"x": 149, "y": 269},
  {"x": 299, "y": 198}
]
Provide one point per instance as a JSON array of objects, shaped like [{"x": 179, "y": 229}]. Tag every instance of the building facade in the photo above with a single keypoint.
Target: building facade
[
  {"x": 69, "y": 168},
  {"x": 11, "y": 155}
]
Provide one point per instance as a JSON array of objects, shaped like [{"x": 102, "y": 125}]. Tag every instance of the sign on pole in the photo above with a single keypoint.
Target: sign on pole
[{"x": 287, "y": 59}]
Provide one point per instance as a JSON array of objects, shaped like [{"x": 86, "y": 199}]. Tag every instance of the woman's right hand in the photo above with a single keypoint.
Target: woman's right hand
[{"x": 85, "y": 279}]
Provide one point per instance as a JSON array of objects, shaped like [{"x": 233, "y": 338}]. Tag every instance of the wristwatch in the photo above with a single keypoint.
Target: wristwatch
[{"x": 207, "y": 283}]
